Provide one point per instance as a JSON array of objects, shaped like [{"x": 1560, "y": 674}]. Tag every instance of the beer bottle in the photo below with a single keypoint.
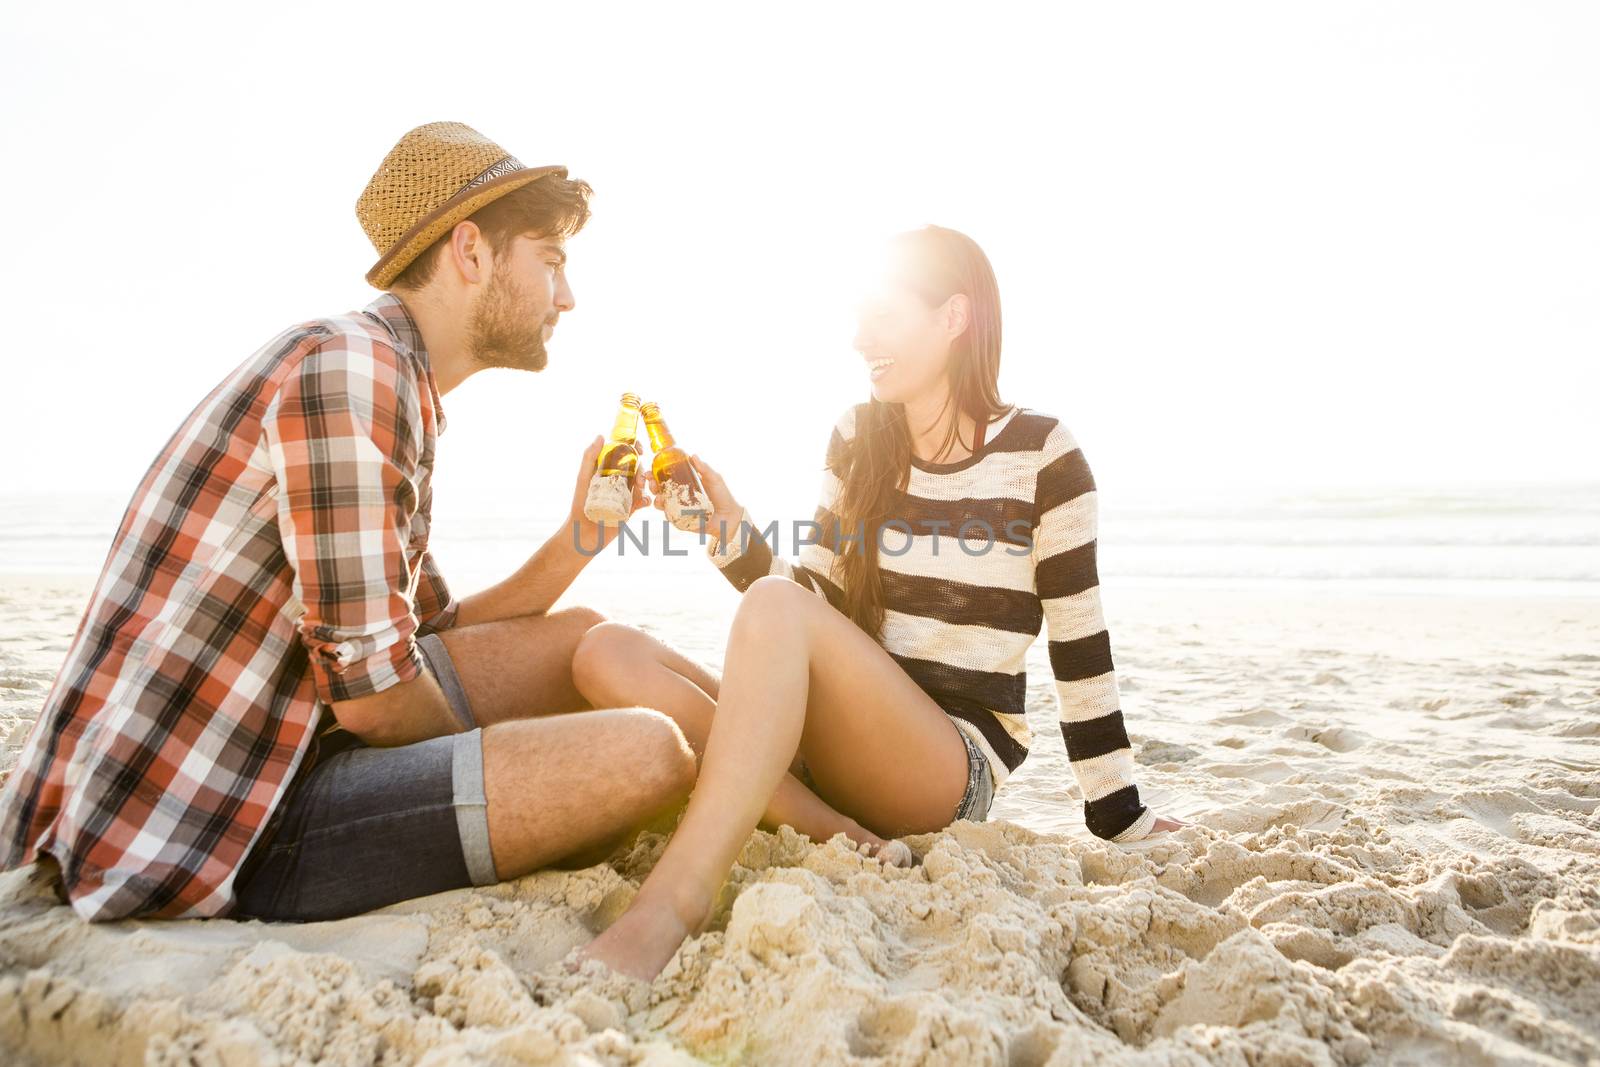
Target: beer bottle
[
  {"x": 685, "y": 502},
  {"x": 610, "y": 496}
]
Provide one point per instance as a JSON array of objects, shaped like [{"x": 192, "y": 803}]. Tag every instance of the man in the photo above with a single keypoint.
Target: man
[{"x": 274, "y": 707}]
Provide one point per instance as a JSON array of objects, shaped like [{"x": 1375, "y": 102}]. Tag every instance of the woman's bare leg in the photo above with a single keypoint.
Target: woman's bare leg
[
  {"x": 617, "y": 666},
  {"x": 795, "y": 667}
]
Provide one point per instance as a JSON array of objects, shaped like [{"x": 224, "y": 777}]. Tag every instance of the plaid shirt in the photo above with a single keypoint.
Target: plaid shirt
[{"x": 273, "y": 559}]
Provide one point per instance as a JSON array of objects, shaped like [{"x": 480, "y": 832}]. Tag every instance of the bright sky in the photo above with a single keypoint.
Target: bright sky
[{"x": 1246, "y": 244}]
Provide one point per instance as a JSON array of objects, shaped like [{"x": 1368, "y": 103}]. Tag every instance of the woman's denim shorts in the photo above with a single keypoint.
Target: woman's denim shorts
[{"x": 980, "y": 784}]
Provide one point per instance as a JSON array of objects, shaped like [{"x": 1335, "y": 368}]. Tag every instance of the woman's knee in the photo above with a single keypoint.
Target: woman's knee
[
  {"x": 774, "y": 601},
  {"x": 602, "y": 655}
]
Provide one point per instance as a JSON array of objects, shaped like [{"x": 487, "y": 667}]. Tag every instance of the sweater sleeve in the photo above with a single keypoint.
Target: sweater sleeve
[
  {"x": 746, "y": 552},
  {"x": 1068, "y": 585}
]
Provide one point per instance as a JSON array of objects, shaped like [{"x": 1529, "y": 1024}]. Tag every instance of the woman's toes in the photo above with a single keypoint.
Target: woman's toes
[
  {"x": 895, "y": 853},
  {"x": 891, "y": 853}
]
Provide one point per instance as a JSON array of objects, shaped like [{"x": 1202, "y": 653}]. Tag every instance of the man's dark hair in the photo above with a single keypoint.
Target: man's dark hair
[{"x": 548, "y": 206}]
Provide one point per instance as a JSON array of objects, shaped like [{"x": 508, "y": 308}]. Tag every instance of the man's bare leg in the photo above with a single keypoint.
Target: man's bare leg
[
  {"x": 542, "y": 666},
  {"x": 572, "y": 787},
  {"x": 619, "y": 666},
  {"x": 519, "y": 671},
  {"x": 520, "y": 668}
]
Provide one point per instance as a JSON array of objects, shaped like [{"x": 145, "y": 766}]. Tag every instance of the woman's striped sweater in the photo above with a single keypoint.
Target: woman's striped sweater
[{"x": 960, "y": 616}]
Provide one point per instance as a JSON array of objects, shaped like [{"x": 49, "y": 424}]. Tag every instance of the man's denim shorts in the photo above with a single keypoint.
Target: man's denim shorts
[
  {"x": 979, "y": 793},
  {"x": 362, "y": 827}
]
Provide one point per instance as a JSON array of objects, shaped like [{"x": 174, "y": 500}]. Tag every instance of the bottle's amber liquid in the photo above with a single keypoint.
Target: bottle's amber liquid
[
  {"x": 669, "y": 463},
  {"x": 686, "y": 505},
  {"x": 620, "y": 453}
]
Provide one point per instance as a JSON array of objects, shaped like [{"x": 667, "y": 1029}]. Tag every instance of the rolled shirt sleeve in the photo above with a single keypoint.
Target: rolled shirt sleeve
[
  {"x": 435, "y": 607},
  {"x": 739, "y": 540},
  {"x": 344, "y": 433}
]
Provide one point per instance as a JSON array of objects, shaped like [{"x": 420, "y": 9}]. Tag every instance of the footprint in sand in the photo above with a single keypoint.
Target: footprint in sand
[
  {"x": 1165, "y": 752},
  {"x": 1267, "y": 772},
  {"x": 1336, "y": 738},
  {"x": 1496, "y": 808},
  {"x": 880, "y": 1028},
  {"x": 1254, "y": 717}
]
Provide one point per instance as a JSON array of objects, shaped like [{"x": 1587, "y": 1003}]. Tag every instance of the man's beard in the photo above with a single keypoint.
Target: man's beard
[{"x": 500, "y": 333}]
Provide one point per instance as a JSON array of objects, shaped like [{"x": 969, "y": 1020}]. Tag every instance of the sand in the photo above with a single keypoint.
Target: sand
[
  {"x": 685, "y": 505},
  {"x": 609, "y": 499},
  {"x": 1398, "y": 862}
]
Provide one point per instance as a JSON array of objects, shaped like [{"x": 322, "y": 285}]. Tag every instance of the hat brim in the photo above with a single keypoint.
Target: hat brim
[{"x": 439, "y": 221}]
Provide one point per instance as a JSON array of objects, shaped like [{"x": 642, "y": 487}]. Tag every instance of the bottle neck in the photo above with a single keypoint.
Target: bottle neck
[
  {"x": 660, "y": 436},
  {"x": 626, "y": 428}
]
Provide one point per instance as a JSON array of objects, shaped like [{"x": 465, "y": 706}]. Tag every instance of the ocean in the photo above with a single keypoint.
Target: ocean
[
  {"x": 1522, "y": 540},
  {"x": 1528, "y": 542}
]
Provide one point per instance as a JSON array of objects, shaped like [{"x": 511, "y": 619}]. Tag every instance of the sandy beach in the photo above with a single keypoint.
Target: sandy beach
[{"x": 1397, "y": 860}]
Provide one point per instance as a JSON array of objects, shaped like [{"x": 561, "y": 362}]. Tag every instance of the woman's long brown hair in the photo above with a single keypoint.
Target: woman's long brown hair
[{"x": 937, "y": 263}]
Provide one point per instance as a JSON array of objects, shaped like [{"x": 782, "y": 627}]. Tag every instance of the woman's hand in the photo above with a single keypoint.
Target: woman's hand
[
  {"x": 725, "y": 510},
  {"x": 722, "y": 501},
  {"x": 1162, "y": 823}
]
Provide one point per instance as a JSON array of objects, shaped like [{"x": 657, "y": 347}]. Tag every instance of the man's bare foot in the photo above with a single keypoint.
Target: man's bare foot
[{"x": 640, "y": 943}]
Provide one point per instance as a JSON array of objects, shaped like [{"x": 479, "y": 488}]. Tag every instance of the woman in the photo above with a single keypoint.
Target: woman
[{"x": 877, "y": 687}]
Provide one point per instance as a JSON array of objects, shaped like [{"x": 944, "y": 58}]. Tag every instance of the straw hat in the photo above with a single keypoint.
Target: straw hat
[{"x": 434, "y": 177}]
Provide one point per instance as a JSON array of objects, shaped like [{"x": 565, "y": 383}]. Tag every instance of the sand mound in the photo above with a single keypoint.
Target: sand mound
[
  {"x": 1002, "y": 946},
  {"x": 1389, "y": 871}
]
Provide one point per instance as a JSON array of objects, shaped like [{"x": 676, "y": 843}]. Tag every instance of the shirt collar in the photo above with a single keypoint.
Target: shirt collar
[{"x": 389, "y": 310}]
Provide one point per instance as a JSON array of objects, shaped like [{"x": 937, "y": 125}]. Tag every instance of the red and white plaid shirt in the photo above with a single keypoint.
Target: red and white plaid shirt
[{"x": 274, "y": 559}]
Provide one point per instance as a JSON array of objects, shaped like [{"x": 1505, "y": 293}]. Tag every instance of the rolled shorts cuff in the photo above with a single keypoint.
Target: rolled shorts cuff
[
  {"x": 466, "y": 764},
  {"x": 472, "y": 806},
  {"x": 437, "y": 658},
  {"x": 979, "y": 795}
]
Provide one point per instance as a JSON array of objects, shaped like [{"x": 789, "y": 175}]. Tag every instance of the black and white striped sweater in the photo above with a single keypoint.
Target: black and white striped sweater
[{"x": 960, "y": 620}]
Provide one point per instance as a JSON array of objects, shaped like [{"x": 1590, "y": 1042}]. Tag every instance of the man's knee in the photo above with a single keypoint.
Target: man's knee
[
  {"x": 667, "y": 760},
  {"x": 581, "y": 618}
]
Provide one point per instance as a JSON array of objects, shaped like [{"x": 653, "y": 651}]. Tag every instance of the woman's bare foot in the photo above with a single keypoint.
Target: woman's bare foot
[
  {"x": 890, "y": 852},
  {"x": 640, "y": 943}
]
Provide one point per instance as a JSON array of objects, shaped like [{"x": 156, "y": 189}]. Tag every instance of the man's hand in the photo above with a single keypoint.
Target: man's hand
[
  {"x": 539, "y": 582},
  {"x": 593, "y": 536}
]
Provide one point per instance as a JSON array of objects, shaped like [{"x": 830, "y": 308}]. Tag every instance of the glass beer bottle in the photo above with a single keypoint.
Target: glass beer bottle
[
  {"x": 610, "y": 497},
  {"x": 685, "y": 501}
]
